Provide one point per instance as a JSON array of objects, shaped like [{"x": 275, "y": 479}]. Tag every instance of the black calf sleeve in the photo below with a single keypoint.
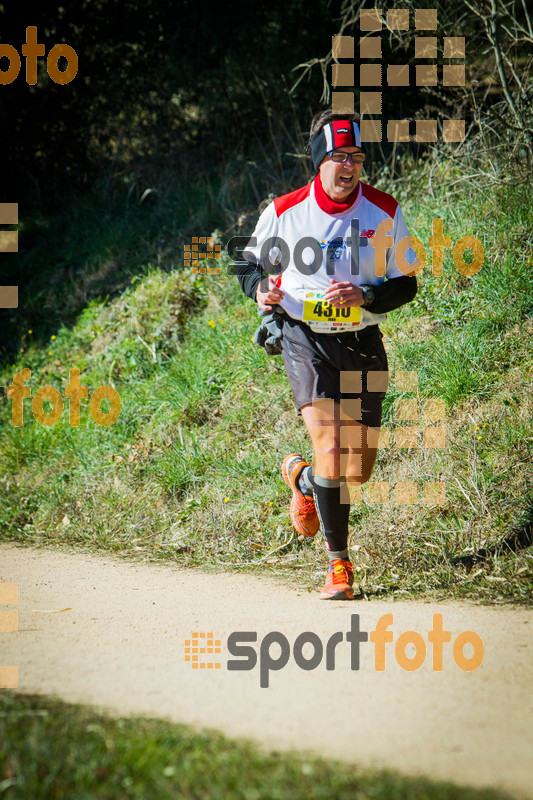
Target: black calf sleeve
[{"x": 332, "y": 513}]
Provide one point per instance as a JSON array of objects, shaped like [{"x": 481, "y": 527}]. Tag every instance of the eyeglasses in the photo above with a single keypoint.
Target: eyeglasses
[{"x": 339, "y": 157}]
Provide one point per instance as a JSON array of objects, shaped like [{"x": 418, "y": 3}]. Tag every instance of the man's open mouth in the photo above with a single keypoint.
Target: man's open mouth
[{"x": 346, "y": 179}]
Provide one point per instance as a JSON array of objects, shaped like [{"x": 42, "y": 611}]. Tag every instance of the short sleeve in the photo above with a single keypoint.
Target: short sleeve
[{"x": 266, "y": 229}]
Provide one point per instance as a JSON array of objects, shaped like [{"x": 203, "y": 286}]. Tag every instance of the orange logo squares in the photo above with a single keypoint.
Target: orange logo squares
[
  {"x": 398, "y": 19},
  {"x": 370, "y": 130},
  {"x": 9, "y": 243},
  {"x": 406, "y": 493},
  {"x": 343, "y": 74},
  {"x": 377, "y": 492},
  {"x": 453, "y": 75},
  {"x": 398, "y": 130},
  {"x": 9, "y": 677},
  {"x": 426, "y": 130},
  {"x": 370, "y": 102},
  {"x": 8, "y": 594},
  {"x": 350, "y": 493},
  {"x": 351, "y": 381},
  {"x": 434, "y": 409},
  {"x": 373, "y": 437},
  {"x": 9, "y": 213},
  {"x": 426, "y": 19},
  {"x": 406, "y": 437},
  {"x": 406, "y": 409},
  {"x": 351, "y": 409},
  {"x": 453, "y": 130},
  {"x": 342, "y": 102},
  {"x": 323, "y": 410},
  {"x": 383, "y": 441},
  {"x": 9, "y": 621},
  {"x": 431, "y": 409},
  {"x": 435, "y": 437},
  {"x": 426, "y": 47},
  {"x": 353, "y": 463},
  {"x": 370, "y": 19},
  {"x": 406, "y": 381},
  {"x": 342, "y": 46},
  {"x": 434, "y": 493},
  {"x": 377, "y": 380},
  {"x": 8, "y": 624},
  {"x": 454, "y": 47},
  {"x": 192, "y": 256},
  {"x": 9, "y": 295},
  {"x": 370, "y": 47},
  {"x": 426, "y": 75},
  {"x": 202, "y": 643},
  {"x": 351, "y": 436}
]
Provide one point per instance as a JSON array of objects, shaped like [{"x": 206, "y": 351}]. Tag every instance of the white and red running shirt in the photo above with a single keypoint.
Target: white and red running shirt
[{"x": 280, "y": 237}]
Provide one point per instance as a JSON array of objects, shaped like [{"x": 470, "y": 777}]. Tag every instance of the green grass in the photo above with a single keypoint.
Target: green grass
[
  {"x": 53, "y": 750},
  {"x": 190, "y": 471}
]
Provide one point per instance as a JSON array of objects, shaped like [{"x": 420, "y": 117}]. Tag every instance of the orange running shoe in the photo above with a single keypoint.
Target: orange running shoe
[
  {"x": 302, "y": 510},
  {"x": 339, "y": 581}
]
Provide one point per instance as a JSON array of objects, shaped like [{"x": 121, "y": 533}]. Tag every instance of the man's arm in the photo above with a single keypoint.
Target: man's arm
[
  {"x": 387, "y": 296},
  {"x": 248, "y": 268},
  {"x": 249, "y": 276},
  {"x": 392, "y": 294}
]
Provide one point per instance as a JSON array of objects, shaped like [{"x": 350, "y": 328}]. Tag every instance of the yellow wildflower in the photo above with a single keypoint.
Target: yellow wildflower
[{"x": 212, "y": 323}]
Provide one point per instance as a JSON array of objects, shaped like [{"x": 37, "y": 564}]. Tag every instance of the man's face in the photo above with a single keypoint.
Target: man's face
[{"x": 339, "y": 180}]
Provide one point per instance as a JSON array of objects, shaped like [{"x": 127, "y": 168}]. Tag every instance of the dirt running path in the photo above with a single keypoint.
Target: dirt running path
[{"x": 120, "y": 647}]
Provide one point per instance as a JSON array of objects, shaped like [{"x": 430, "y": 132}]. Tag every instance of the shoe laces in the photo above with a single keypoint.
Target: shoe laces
[
  {"x": 340, "y": 570},
  {"x": 307, "y": 507}
]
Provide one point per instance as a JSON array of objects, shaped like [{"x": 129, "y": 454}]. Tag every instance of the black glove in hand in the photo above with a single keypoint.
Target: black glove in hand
[{"x": 270, "y": 333}]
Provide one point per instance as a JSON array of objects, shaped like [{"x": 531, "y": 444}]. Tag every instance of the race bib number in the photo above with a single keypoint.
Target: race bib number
[{"x": 323, "y": 317}]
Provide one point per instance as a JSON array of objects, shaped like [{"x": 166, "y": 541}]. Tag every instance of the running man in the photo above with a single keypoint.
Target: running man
[{"x": 335, "y": 241}]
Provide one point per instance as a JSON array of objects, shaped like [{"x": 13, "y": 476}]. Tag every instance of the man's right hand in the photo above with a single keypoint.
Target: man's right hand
[{"x": 268, "y": 294}]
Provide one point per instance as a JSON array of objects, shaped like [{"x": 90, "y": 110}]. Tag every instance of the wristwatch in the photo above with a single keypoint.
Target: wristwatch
[{"x": 368, "y": 295}]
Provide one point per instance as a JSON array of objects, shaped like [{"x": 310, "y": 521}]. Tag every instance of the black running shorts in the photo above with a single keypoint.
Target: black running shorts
[{"x": 324, "y": 366}]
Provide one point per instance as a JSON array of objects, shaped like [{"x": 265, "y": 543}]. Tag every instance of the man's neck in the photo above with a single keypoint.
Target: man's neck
[{"x": 327, "y": 203}]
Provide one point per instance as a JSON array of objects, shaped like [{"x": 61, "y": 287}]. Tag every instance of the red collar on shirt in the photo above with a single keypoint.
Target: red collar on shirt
[{"x": 331, "y": 206}]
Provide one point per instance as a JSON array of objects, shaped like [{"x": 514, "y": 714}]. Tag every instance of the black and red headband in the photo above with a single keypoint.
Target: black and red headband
[{"x": 340, "y": 133}]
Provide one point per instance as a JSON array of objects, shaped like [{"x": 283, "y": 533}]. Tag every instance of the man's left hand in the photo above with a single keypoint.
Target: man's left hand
[{"x": 342, "y": 294}]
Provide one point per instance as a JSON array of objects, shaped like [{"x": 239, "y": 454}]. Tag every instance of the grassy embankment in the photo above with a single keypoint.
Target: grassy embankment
[
  {"x": 65, "y": 751},
  {"x": 190, "y": 471}
]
